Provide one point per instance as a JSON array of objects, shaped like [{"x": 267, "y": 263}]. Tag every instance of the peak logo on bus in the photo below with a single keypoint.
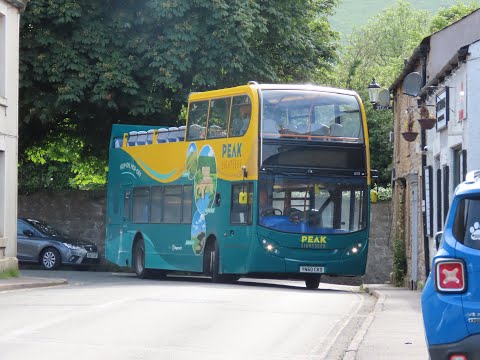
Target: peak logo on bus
[
  {"x": 313, "y": 242},
  {"x": 232, "y": 150}
]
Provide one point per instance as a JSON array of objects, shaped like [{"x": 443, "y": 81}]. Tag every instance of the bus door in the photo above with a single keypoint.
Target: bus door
[
  {"x": 239, "y": 234},
  {"x": 126, "y": 218}
]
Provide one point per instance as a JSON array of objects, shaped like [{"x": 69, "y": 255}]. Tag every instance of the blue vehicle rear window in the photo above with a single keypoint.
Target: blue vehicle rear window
[{"x": 466, "y": 228}]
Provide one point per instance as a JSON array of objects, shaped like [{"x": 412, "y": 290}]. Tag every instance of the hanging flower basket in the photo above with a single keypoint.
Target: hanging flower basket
[
  {"x": 427, "y": 123},
  {"x": 410, "y": 135}
]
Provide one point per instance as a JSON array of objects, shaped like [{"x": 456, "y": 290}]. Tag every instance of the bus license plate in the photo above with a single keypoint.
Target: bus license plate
[
  {"x": 312, "y": 269},
  {"x": 92, "y": 255}
]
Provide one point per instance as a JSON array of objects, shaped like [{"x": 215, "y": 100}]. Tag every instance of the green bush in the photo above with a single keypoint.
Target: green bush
[
  {"x": 399, "y": 261},
  {"x": 384, "y": 193}
]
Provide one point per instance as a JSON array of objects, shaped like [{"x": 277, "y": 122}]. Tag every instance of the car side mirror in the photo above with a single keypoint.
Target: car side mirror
[
  {"x": 28, "y": 233},
  {"x": 438, "y": 239}
]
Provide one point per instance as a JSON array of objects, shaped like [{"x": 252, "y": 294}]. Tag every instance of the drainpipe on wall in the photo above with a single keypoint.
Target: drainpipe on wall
[{"x": 426, "y": 247}]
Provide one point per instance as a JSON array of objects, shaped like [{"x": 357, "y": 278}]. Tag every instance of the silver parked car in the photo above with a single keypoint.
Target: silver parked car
[{"x": 38, "y": 242}]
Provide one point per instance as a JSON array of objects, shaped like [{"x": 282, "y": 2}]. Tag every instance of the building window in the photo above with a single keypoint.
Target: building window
[
  {"x": 457, "y": 176},
  {"x": 439, "y": 200},
  {"x": 446, "y": 193},
  {"x": 429, "y": 199},
  {"x": 3, "y": 56}
]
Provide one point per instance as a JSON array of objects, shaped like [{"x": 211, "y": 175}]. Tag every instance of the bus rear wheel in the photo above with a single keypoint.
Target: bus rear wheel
[
  {"x": 312, "y": 282},
  {"x": 139, "y": 260}
]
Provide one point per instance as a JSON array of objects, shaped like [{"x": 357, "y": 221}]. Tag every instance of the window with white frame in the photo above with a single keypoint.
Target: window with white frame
[{"x": 3, "y": 55}]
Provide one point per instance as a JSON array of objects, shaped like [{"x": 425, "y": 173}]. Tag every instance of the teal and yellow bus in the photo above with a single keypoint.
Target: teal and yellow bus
[{"x": 264, "y": 180}]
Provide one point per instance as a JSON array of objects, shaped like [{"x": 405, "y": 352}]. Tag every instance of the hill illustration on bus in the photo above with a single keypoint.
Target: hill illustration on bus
[{"x": 263, "y": 180}]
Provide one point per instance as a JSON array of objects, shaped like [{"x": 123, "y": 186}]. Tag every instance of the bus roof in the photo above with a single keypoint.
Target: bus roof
[{"x": 252, "y": 86}]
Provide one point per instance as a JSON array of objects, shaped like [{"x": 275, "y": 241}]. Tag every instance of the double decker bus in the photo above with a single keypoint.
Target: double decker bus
[{"x": 264, "y": 181}]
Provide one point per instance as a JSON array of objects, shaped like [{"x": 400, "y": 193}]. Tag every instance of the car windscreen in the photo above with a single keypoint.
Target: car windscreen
[{"x": 45, "y": 228}]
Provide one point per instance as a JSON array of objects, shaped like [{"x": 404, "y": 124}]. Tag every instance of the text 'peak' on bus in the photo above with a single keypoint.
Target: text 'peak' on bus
[{"x": 263, "y": 180}]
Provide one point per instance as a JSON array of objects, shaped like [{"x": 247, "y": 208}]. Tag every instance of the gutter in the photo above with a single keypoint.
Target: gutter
[
  {"x": 452, "y": 64},
  {"x": 19, "y": 4}
]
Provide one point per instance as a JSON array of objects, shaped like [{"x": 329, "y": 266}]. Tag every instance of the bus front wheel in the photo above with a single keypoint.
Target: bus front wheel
[
  {"x": 312, "y": 282},
  {"x": 212, "y": 265}
]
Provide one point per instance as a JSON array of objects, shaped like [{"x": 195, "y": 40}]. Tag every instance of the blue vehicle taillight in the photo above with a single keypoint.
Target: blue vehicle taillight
[{"x": 450, "y": 276}]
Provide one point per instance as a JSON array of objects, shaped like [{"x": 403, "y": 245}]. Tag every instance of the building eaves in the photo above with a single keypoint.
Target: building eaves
[
  {"x": 20, "y": 4},
  {"x": 451, "y": 65},
  {"x": 419, "y": 53}
]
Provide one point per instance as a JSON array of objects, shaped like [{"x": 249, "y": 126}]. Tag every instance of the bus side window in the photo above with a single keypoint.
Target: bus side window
[
  {"x": 141, "y": 205},
  {"x": 218, "y": 118},
  {"x": 241, "y": 213},
  {"x": 240, "y": 117},
  {"x": 197, "y": 120}
]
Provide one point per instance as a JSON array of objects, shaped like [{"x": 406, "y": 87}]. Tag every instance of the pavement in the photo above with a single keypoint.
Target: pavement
[
  {"x": 26, "y": 282},
  {"x": 393, "y": 330}
]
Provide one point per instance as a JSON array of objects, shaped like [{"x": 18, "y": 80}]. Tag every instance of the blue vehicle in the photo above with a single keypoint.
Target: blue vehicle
[{"x": 451, "y": 297}]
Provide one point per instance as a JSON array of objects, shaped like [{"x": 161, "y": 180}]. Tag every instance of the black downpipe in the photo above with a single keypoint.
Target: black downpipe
[{"x": 426, "y": 248}]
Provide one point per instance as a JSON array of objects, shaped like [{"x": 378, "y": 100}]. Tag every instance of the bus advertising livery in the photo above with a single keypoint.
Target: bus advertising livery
[{"x": 263, "y": 181}]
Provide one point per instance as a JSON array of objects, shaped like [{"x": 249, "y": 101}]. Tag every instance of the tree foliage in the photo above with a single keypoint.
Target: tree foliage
[
  {"x": 102, "y": 62},
  {"x": 447, "y": 16},
  {"x": 378, "y": 50}
]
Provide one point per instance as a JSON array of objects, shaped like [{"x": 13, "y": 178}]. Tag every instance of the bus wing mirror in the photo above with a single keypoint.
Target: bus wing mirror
[{"x": 242, "y": 197}]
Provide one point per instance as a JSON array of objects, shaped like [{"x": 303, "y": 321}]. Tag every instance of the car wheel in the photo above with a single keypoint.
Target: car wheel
[
  {"x": 139, "y": 260},
  {"x": 50, "y": 259},
  {"x": 312, "y": 282}
]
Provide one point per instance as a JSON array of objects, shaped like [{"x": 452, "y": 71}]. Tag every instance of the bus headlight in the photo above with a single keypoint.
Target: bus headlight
[
  {"x": 270, "y": 246},
  {"x": 354, "y": 249}
]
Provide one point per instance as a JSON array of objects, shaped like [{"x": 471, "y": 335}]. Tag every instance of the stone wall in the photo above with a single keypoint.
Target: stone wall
[
  {"x": 81, "y": 214},
  {"x": 379, "y": 265}
]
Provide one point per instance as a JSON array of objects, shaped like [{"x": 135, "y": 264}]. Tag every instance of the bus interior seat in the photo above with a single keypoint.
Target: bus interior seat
[
  {"x": 172, "y": 134},
  {"x": 162, "y": 135},
  {"x": 195, "y": 132},
  {"x": 141, "y": 137},
  {"x": 302, "y": 128},
  {"x": 181, "y": 132},
  {"x": 319, "y": 129},
  {"x": 150, "y": 133},
  {"x": 336, "y": 129},
  {"x": 132, "y": 138},
  {"x": 270, "y": 127}
]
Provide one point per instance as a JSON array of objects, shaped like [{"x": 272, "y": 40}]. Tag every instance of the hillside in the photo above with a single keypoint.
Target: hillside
[{"x": 354, "y": 13}]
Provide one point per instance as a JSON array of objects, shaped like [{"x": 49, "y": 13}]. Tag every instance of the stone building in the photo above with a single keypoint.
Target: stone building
[
  {"x": 428, "y": 167},
  {"x": 9, "y": 59}
]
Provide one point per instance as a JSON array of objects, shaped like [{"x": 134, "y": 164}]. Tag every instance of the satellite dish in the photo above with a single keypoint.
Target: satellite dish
[
  {"x": 384, "y": 98},
  {"x": 412, "y": 84}
]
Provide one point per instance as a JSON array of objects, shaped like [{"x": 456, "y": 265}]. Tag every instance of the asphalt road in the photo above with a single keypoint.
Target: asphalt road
[{"x": 117, "y": 316}]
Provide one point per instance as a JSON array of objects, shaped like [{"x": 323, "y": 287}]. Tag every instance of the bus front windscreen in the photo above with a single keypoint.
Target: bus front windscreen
[
  {"x": 312, "y": 205},
  {"x": 311, "y": 116}
]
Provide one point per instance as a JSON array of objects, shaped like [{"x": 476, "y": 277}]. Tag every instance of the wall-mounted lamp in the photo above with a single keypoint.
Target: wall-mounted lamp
[
  {"x": 373, "y": 91},
  {"x": 379, "y": 98}
]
